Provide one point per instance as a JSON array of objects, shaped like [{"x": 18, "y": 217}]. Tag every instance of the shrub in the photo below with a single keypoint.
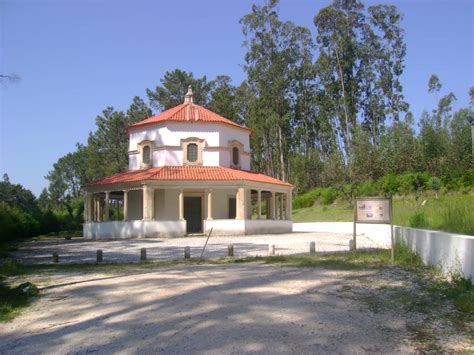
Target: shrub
[
  {"x": 389, "y": 184},
  {"x": 417, "y": 219},
  {"x": 329, "y": 195},
  {"x": 367, "y": 188}
]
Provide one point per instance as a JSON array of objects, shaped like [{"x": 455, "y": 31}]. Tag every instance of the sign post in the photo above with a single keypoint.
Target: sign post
[{"x": 374, "y": 210}]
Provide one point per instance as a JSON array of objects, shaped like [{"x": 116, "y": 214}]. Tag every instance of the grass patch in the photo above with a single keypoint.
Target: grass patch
[
  {"x": 338, "y": 212},
  {"x": 451, "y": 213},
  {"x": 14, "y": 300}
]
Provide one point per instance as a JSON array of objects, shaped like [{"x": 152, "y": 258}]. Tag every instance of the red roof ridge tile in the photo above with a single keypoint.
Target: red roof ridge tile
[{"x": 188, "y": 112}]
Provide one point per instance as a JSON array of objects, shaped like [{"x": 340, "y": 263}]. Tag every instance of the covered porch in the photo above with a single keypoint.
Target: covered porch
[{"x": 168, "y": 209}]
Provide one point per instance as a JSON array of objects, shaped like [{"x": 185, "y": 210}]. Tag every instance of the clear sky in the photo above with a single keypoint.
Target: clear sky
[{"x": 77, "y": 57}]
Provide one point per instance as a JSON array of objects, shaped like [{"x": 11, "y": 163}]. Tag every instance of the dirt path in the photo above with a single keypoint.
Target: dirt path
[{"x": 234, "y": 308}]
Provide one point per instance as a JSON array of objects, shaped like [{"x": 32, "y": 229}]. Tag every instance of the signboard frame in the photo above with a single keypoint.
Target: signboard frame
[{"x": 365, "y": 221}]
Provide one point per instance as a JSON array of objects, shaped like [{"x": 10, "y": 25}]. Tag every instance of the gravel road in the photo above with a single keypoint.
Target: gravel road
[{"x": 237, "y": 308}]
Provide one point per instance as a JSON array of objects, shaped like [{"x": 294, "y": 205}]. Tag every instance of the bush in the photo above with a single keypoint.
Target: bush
[
  {"x": 389, "y": 184},
  {"x": 417, "y": 219},
  {"x": 367, "y": 188},
  {"x": 15, "y": 224},
  {"x": 329, "y": 195}
]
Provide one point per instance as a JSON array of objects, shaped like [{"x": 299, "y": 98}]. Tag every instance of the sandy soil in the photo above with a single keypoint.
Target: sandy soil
[{"x": 233, "y": 308}]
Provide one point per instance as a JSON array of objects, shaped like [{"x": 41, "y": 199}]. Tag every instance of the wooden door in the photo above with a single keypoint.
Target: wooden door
[{"x": 193, "y": 214}]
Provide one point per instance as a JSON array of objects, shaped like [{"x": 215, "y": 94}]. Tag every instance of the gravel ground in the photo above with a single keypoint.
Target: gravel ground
[
  {"x": 224, "y": 309},
  {"x": 84, "y": 251},
  {"x": 230, "y": 308}
]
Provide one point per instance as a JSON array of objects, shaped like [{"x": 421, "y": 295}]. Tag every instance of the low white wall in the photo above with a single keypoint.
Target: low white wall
[
  {"x": 134, "y": 229},
  {"x": 267, "y": 226},
  {"x": 448, "y": 251},
  {"x": 225, "y": 226}
]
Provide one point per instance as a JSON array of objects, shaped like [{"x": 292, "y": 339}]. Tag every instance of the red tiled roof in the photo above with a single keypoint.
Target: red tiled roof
[
  {"x": 187, "y": 173},
  {"x": 188, "y": 112}
]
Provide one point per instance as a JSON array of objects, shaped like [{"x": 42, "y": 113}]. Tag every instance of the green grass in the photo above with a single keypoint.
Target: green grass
[
  {"x": 450, "y": 213},
  {"x": 13, "y": 300},
  {"x": 337, "y": 212}
]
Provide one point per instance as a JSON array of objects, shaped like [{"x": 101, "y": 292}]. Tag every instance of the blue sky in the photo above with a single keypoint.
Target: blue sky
[{"x": 77, "y": 57}]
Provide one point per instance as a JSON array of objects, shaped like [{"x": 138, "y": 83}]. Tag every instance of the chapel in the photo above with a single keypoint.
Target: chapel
[{"x": 189, "y": 171}]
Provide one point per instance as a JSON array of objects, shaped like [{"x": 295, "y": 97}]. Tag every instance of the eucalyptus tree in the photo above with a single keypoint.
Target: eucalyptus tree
[
  {"x": 275, "y": 50},
  {"x": 361, "y": 59}
]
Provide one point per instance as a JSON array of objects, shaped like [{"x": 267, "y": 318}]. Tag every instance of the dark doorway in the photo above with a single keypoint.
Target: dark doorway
[
  {"x": 193, "y": 214},
  {"x": 232, "y": 207}
]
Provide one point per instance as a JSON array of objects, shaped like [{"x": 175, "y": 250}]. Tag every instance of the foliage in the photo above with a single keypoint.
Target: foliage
[
  {"x": 174, "y": 85},
  {"x": 14, "y": 300}
]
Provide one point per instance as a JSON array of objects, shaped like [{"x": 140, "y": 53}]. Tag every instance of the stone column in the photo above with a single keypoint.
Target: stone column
[
  {"x": 259, "y": 204},
  {"x": 148, "y": 203},
  {"x": 107, "y": 198},
  {"x": 288, "y": 206},
  {"x": 125, "y": 205},
  {"x": 273, "y": 206},
  {"x": 86, "y": 207},
  {"x": 281, "y": 207},
  {"x": 241, "y": 204},
  {"x": 181, "y": 205},
  {"x": 209, "y": 204},
  {"x": 99, "y": 208}
]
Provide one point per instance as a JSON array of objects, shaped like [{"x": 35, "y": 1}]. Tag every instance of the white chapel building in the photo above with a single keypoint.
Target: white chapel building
[{"x": 189, "y": 171}]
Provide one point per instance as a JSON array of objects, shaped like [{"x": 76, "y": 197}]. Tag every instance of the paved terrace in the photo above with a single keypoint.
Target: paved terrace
[{"x": 79, "y": 250}]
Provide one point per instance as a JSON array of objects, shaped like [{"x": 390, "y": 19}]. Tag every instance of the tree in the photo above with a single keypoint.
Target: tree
[
  {"x": 275, "y": 50},
  {"x": 223, "y": 98},
  {"x": 138, "y": 111},
  {"x": 434, "y": 85},
  {"x": 11, "y": 78},
  {"x": 173, "y": 88}
]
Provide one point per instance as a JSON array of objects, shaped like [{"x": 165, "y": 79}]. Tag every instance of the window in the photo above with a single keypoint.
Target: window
[
  {"x": 145, "y": 149},
  {"x": 192, "y": 153},
  {"x": 146, "y": 155},
  {"x": 235, "y": 150},
  {"x": 235, "y": 156}
]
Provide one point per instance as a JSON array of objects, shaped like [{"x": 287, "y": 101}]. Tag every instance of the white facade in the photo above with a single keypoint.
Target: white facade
[
  {"x": 167, "y": 143},
  {"x": 193, "y": 197}
]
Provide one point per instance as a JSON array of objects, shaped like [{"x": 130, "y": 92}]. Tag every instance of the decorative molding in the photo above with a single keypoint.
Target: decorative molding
[
  {"x": 140, "y": 147},
  {"x": 201, "y": 143},
  {"x": 235, "y": 144}
]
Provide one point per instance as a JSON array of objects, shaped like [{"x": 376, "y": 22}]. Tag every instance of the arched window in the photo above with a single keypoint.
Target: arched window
[
  {"x": 146, "y": 154},
  {"x": 235, "y": 156},
  {"x": 192, "y": 153}
]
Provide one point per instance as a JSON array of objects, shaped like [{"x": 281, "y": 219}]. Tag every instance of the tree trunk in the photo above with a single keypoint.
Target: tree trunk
[{"x": 282, "y": 156}]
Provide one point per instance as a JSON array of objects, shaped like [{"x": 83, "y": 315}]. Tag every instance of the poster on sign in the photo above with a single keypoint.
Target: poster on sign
[{"x": 374, "y": 210}]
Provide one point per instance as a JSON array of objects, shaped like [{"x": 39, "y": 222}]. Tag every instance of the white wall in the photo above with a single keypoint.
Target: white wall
[
  {"x": 134, "y": 229},
  {"x": 215, "y": 135},
  {"x": 220, "y": 203},
  {"x": 267, "y": 226},
  {"x": 135, "y": 205},
  {"x": 246, "y": 227},
  {"x": 445, "y": 250}
]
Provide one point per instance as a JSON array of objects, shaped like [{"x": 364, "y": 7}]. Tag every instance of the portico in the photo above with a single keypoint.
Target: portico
[{"x": 228, "y": 209}]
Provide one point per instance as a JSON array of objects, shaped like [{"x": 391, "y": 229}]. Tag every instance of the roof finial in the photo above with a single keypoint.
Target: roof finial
[{"x": 188, "y": 98}]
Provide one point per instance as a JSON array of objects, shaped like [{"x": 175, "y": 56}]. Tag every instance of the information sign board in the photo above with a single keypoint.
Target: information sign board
[{"x": 373, "y": 210}]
